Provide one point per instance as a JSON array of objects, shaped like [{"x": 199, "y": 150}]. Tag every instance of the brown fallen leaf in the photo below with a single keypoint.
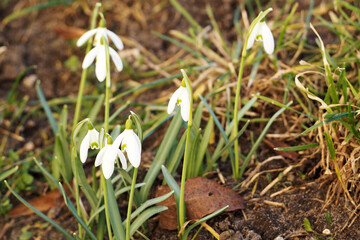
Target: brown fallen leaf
[
  {"x": 288, "y": 154},
  {"x": 202, "y": 197},
  {"x": 69, "y": 32},
  {"x": 43, "y": 203}
]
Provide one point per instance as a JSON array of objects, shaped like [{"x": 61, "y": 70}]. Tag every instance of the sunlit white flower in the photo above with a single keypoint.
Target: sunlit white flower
[
  {"x": 181, "y": 97},
  {"x": 98, "y": 52},
  {"x": 130, "y": 143},
  {"x": 91, "y": 140},
  {"x": 261, "y": 32},
  {"x": 107, "y": 156}
]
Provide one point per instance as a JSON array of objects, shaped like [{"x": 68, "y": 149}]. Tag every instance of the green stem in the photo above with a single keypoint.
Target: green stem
[
  {"x": 77, "y": 114},
  {"x": 236, "y": 108},
  {"x": 131, "y": 197},
  {"x": 238, "y": 88},
  {"x": 77, "y": 194},
  {"x": 182, "y": 208},
  {"x": 106, "y": 128}
]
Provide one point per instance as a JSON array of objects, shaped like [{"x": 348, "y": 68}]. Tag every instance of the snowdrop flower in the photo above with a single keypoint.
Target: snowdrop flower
[
  {"x": 98, "y": 52},
  {"x": 91, "y": 140},
  {"x": 107, "y": 156},
  {"x": 261, "y": 32},
  {"x": 130, "y": 143},
  {"x": 181, "y": 97}
]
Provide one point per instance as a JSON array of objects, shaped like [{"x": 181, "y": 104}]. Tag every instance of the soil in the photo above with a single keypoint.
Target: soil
[{"x": 32, "y": 40}]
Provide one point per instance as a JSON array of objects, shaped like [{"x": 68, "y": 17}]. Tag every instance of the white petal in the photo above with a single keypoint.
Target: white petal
[
  {"x": 268, "y": 39},
  {"x": 108, "y": 168},
  {"x": 116, "y": 59},
  {"x": 109, "y": 161},
  {"x": 252, "y": 36},
  {"x": 173, "y": 100},
  {"x": 94, "y": 139},
  {"x": 100, "y": 69},
  {"x": 100, "y": 156},
  {"x": 84, "y": 147},
  {"x": 185, "y": 105},
  {"x": 116, "y": 40},
  {"x": 85, "y": 37},
  {"x": 122, "y": 159},
  {"x": 118, "y": 140},
  {"x": 89, "y": 58},
  {"x": 133, "y": 148}
]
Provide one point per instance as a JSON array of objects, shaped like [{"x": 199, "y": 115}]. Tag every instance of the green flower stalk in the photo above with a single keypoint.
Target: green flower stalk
[
  {"x": 183, "y": 97},
  {"x": 258, "y": 31}
]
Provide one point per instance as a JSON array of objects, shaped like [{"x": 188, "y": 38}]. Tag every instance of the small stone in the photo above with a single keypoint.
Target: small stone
[
  {"x": 29, "y": 146},
  {"x": 224, "y": 225},
  {"x": 29, "y": 81},
  {"x": 326, "y": 232},
  {"x": 238, "y": 236},
  {"x": 227, "y": 235},
  {"x": 279, "y": 238},
  {"x": 251, "y": 235}
]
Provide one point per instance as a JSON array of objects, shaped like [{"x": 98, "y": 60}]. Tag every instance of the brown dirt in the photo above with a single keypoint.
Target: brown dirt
[{"x": 31, "y": 40}]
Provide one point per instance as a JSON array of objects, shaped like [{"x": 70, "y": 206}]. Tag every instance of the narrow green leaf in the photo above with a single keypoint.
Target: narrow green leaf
[
  {"x": 73, "y": 210},
  {"x": 144, "y": 216},
  {"x": 149, "y": 203},
  {"x": 204, "y": 144},
  {"x": 161, "y": 155},
  {"x": 187, "y": 231},
  {"x": 117, "y": 193},
  {"x": 171, "y": 182},
  {"x": 328, "y": 218},
  {"x": 35, "y": 8},
  {"x": 114, "y": 213},
  {"x": 185, "y": 14},
  {"x": 5, "y": 174},
  {"x": 176, "y": 157},
  {"x": 260, "y": 138},
  {"x": 307, "y": 225},
  {"x": 330, "y": 145},
  {"x": 297, "y": 148},
  {"x": 46, "y": 107}
]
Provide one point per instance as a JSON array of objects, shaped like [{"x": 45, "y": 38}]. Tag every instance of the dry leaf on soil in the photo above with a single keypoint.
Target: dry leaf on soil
[
  {"x": 43, "y": 203},
  {"x": 202, "y": 197},
  {"x": 288, "y": 154}
]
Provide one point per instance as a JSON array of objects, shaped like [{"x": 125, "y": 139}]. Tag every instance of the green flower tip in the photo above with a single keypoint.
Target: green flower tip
[
  {"x": 102, "y": 22},
  {"x": 90, "y": 125},
  {"x": 109, "y": 139},
  {"x": 128, "y": 124}
]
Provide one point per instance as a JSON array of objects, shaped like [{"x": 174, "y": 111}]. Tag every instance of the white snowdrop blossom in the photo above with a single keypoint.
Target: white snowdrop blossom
[
  {"x": 98, "y": 52},
  {"x": 107, "y": 156},
  {"x": 181, "y": 97},
  {"x": 130, "y": 143},
  {"x": 261, "y": 32},
  {"x": 91, "y": 140}
]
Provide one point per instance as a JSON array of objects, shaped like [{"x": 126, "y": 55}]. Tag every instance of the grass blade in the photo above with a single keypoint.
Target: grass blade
[
  {"x": 260, "y": 138},
  {"x": 46, "y": 107}
]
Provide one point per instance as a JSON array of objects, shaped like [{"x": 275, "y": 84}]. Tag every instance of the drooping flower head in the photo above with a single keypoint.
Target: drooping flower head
[
  {"x": 91, "y": 140},
  {"x": 130, "y": 143},
  {"x": 261, "y": 32},
  {"x": 107, "y": 156},
  {"x": 99, "y": 51},
  {"x": 182, "y": 98}
]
